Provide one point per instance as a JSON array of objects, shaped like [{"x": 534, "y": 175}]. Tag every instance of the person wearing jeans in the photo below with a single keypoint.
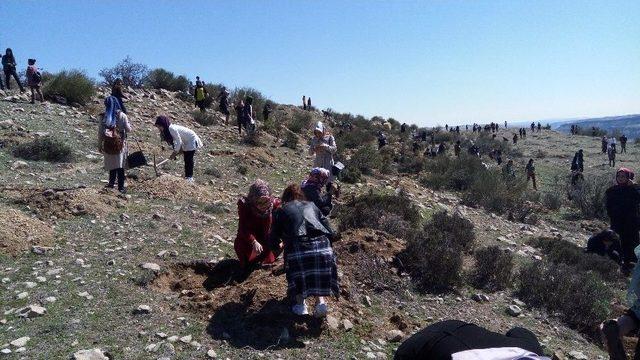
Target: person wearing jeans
[
  {"x": 33, "y": 82},
  {"x": 9, "y": 67},
  {"x": 182, "y": 140}
]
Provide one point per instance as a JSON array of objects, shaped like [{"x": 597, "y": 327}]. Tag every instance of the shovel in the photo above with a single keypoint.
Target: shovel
[{"x": 157, "y": 165}]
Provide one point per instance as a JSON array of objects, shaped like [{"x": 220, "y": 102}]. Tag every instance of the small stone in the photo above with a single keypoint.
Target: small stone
[
  {"x": 40, "y": 250},
  {"x": 20, "y": 342},
  {"x": 173, "y": 339},
  {"x": 111, "y": 262},
  {"x": 519, "y": 303},
  {"x": 367, "y": 301},
  {"x": 5, "y": 351},
  {"x": 32, "y": 311},
  {"x": 332, "y": 322},
  {"x": 85, "y": 295},
  {"x": 196, "y": 344},
  {"x": 22, "y": 295},
  {"x": 21, "y": 349},
  {"x": 150, "y": 347},
  {"x": 177, "y": 226},
  {"x": 151, "y": 266},
  {"x": 50, "y": 299},
  {"x": 212, "y": 354},
  {"x": 161, "y": 335},
  {"x": 480, "y": 298},
  {"x": 79, "y": 262},
  {"x": 514, "y": 310},
  {"x": 19, "y": 165},
  {"x": 577, "y": 355},
  {"x": 30, "y": 284},
  {"x": 143, "y": 309},
  {"x": 348, "y": 325},
  {"x": 186, "y": 339},
  {"x": 370, "y": 355},
  {"x": 41, "y": 279},
  {"x": 395, "y": 335},
  {"x": 157, "y": 216},
  {"x": 93, "y": 354}
]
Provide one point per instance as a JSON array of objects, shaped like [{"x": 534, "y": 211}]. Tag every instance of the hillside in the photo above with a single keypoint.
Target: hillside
[
  {"x": 149, "y": 274},
  {"x": 626, "y": 124}
]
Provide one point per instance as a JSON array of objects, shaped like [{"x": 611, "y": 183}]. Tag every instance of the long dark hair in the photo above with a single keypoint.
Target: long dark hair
[
  {"x": 292, "y": 192},
  {"x": 164, "y": 121},
  {"x": 9, "y": 54}
]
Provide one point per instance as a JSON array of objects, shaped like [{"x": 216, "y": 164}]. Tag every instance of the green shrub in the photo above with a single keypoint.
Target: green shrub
[
  {"x": 588, "y": 131},
  {"x": 291, "y": 141},
  {"x": 254, "y": 138},
  {"x": 243, "y": 169},
  {"x": 589, "y": 198},
  {"x": 564, "y": 252},
  {"x": 552, "y": 200},
  {"x": 490, "y": 191},
  {"x": 258, "y": 99},
  {"x": 365, "y": 159},
  {"x": 353, "y": 139},
  {"x": 581, "y": 299},
  {"x": 164, "y": 79},
  {"x": 204, "y": 118},
  {"x": 74, "y": 85},
  {"x": 434, "y": 256},
  {"x": 302, "y": 121},
  {"x": 45, "y": 149},
  {"x": 351, "y": 175},
  {"x": 452, "y": 173},
  {"x": 213, "y": 171},
  {"x": 132, "y": 74},
  {"x": 379, "y": 211},
  {"x": 493, "y": 269}
]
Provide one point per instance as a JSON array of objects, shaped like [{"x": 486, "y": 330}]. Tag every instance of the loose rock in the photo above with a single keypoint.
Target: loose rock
[{"x": 93, "y": 354}]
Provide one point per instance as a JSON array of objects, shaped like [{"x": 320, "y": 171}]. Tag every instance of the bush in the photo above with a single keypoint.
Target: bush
[
  {"x": 552, "y": 200},
  {"x": 291, "y": 141},
  {"x": 365, "y": 159},
  {"x": 204, "y": 118},
  {"x": 493, "y": 268},
  {"x": 74, "y": 85},
  {"x": 597, "y": 132},
  {"x": 258, "y": 99},
  {"x": 302, "y": 120},
  {"x": 589, "y": 198},
  {"x": 254, "y": 138},
  {"x": 213, "y": 171},
  {"x": 434, "y": 257},
  {"x": 452, "y": 173},
  {"x": 351, "y": 175},
  {"x": 352, "y": 139},
  {"x": 44, "y": 149},
  {"x": 378, "y": 211},
  {"x": 411, "y": 164},
  {"x": 581, "y": 299},
  {"x": 243, "y": 169},
  {"x": 564, "y": 252},
  {"x": 132, "y": 74},
  {"x": 490, "y": 191},
  {"x": 164, "y": 79}
]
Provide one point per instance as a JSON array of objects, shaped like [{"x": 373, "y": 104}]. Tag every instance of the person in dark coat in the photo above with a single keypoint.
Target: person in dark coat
[
  {"x": 605, "y": 243},
  {"x": 9, "y": 66},
  {"x": 313, "y": 187},
  {"x": 623, "y": 144},
  {"x": 116, "y": 91},
  {"x": 451, "y": 339},
  {"x": 577, "y": 164},
  {"x": 623, "y": 202}
]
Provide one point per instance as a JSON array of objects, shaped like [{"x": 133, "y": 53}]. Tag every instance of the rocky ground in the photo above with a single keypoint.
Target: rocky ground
[{"x": 147, "y": 275}]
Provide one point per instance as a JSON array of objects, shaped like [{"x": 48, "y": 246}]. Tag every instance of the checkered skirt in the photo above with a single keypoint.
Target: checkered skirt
[{"x": 311, "y": 268}]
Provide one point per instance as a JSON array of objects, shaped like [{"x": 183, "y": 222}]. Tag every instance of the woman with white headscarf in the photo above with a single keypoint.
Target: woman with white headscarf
[{"x": 323, "y": 146}]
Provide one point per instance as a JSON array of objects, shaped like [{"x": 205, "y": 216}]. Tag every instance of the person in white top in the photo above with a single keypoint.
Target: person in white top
[{"x": 182, "y": 140}]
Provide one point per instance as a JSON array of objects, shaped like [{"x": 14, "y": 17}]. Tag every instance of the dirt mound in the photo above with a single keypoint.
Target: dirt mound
[
  {"x": 18, "y": 232},
  {"x": 51, "y": 204},
  {"x": 252, "y": 309},
  {"x": 171, "y": 187}
]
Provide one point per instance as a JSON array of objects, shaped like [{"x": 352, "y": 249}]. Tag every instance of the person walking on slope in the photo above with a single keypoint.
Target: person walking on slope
[
  {"x": 304, "y": 102},
  {"x": 200, "y": 95},
  {"x": 577, "y": 164},
  {"x": 266, "y": 111},
  {"x": 605, "y": 144},
  {"x": 310, "y": 264},
  {"x": 456, "y": 149},
  {"x": 34, "y": 80},
  {"x": 611, "y": 154},
  {"x": 623, "y": 203},
  {"x": 112, "y": 140},
  {"x": 9, "y": 66},
  {"x": 612, "y": 143},
  {"x": 309, "y": 103},
  {"x": 531, "y": 173},
  {"x": 323, "y": 146},
  {"x": 239, "y": 108},
  {"x": 223, "y": 99},
  {"x": 623, "y": 144},
  {"x": 248, "y": 115},
  {"x": 382, "y": 140},
  {"x": 255, "y": 216},
  {"x": 515, "y": 139},
  {"x": 182, "y": 140},
  {"x": 116, "y": 91}
]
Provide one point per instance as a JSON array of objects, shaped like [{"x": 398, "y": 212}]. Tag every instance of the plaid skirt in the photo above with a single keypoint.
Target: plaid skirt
[{"x": 311, "y": 268}]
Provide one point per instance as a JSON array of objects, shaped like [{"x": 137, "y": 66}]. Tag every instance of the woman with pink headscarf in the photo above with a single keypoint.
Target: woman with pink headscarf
[
  {"x": 254, "y": 224},
  {"x": 313, "y": 186},
  {"x": 623, "y": 208}
]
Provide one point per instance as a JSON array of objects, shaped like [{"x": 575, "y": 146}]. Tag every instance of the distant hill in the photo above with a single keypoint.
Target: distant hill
[{"x": 626, "y": 124}]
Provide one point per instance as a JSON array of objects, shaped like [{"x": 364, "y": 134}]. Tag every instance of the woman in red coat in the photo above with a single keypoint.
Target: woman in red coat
[{"x": 254, "y": 224}]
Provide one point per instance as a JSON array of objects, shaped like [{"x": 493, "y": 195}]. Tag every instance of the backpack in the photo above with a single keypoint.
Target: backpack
[
  {"x": 200, "y": 94},
  {"x": 112, "y": 142},
  {"x": 36, "y": 77}
]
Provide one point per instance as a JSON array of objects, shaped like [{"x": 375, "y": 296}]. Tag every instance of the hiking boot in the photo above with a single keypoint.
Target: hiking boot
[
  {"x": 300, "y": 309},
  {"x": 613, "y": 343},
  {"x": 190, "y": 180},
  {"x": 321, "y": 310},
  {"x": 123, "y": 190}
]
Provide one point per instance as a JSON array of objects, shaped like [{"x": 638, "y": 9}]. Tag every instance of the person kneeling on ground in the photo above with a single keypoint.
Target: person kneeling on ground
[
  {"x": 254, "y": 224},
  {"x": 182, "y": 140},
  {"x": 622, "y": 201},
  {"x": 613, "y": 331},
  {"x": 605, "y": 243},
  {"x": 312, "y": 189},
  {"x": 112, "y": 137},
  {"x": 458, "y": 340},
  {"x": 310, "y": 263}
]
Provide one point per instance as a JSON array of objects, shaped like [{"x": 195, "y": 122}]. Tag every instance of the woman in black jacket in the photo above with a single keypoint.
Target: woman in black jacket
[
  {"x": 623, "y": 204},
  {"x": 304, "y": 233}
]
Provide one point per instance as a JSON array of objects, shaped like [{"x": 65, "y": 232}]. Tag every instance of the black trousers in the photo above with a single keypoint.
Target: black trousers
[
  {"x": 442, "y": 339},
  {"x": 188, "y": 163},
  {"x": 119, "y": 174},
  {"x": 7, "y": 76}
]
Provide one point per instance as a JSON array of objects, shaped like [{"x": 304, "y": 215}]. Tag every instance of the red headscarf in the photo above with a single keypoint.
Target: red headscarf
[{"x": 628, "y": 172}]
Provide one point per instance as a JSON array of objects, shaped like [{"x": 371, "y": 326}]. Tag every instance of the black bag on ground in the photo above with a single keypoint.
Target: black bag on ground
[
  {"x": 136, "y": 159},
  {"x": 337, "y": 168}
]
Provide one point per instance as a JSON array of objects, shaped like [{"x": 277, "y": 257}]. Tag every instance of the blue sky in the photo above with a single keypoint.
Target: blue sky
[{"x": 424, "y": 62}]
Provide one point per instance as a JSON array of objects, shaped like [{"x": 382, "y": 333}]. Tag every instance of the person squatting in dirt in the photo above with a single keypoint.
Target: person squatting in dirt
[
  {"x": 623, "y": 202},
  {"x": 182, "y": 140},
  {"x": 255, "y": 214},
  {"x": 313, "y": 187},
  {"x": 305, "y": 235},
  {"x": 112, "y": 140},
  {"x": 605, "y": 243}
]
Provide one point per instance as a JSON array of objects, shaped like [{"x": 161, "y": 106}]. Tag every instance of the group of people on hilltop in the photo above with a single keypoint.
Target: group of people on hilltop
[
  {"x": 295, "y": 224},
  {"x": 34, "y": 77},
  {"x": 306, "y": 103}
]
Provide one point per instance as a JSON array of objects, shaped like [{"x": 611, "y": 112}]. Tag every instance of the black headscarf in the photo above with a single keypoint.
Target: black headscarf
[{"x": 165, "y": 123}]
